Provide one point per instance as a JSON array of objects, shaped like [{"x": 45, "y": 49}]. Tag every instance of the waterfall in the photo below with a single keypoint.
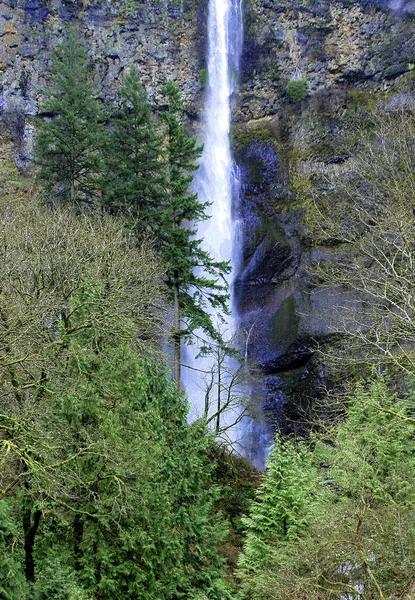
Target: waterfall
[{"x": 216, "y": 180}]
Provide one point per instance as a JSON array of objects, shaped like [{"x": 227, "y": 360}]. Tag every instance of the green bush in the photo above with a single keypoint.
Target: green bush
[
  {"x": 297, "y": 90},
  {"x": 57, "y": 581}
]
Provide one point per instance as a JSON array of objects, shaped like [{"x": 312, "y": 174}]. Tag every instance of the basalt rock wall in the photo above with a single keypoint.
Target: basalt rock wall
[
  {"x": 163, "y": 39},
  {"x": 309, "y": 69}
]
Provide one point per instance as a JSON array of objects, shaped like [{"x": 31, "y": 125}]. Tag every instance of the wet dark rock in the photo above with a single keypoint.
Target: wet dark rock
[{"x": 296, "y": 356}]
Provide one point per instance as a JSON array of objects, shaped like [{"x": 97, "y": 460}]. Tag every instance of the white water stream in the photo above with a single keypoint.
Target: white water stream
[{"x": 216, "y": 181}]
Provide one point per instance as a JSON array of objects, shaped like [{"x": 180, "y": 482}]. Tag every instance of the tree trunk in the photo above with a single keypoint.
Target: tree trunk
[
  {"x": 78, "y": 533},
  {"x": 177, "y": 337},
  {"x": 30, "y": 529},
  {"x": 219, "y": 399}
]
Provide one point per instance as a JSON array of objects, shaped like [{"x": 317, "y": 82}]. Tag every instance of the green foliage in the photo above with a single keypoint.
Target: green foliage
[
  {"x": 279, "y": 513},
  {"x": 133, "y": 181},
  {"x": 12, "y": 582},
  {"x": 130, "y": 8},
  {"x": 357, "y": 532},
  {"x": 57, "y": 581},
  {"x": 141, "y": 170},
  {"x": 151, "y": 534},
  {"x": 69, "y": 139},
  {"x": 372, "y": 463},
  {"x": 375, "y": 453},
  {"x": 113, "y": 488},
  {"x": 238, "y": 481},
  {"x": 296, "y": 90}
]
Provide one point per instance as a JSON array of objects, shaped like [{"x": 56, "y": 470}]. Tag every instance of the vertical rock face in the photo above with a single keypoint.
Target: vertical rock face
[
  {"x": 339, "y": 55},
  {"x": 330, "y": 44},
  {"x": 164, "y": 40},
  {"x": 307, "y": 69}
]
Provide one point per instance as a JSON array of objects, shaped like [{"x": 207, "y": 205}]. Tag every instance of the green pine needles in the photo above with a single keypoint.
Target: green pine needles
[
  {"x": 279, "y": 513},
  {"x": 133, "y": 179},
  {"x": 70, "y": 137},
  {"x": 338, "y": 520},
  {"x": 134, "y": 164}
]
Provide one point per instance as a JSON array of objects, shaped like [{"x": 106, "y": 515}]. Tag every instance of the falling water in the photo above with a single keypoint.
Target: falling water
[{"x": 216, "y": 180}]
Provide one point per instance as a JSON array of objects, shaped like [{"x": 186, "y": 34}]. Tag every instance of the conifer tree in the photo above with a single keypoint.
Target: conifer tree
[
  {"x": 280, "y": 510},
  {"x": 133, "y": 181},
  {"x": 140, "y": 522},
  {"x": 71, "y": 133},
  {"x": 100, "y": 470},
  {"x": 195, "y": 279},
  {"x": 358, "y": 540}
]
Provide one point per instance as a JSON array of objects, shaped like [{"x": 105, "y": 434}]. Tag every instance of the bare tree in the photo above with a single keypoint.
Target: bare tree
[
  {"x": 225, "y": 376},
  {"x": 366, "y": 213}
]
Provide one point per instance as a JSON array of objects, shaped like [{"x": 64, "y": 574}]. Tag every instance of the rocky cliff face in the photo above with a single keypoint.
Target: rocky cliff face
[
  {"x": 164, "y": 39},
  {"x": 330, "y": 44},
  {"x": 308, "y": 70},
  {"x": 338, "y": 56}
]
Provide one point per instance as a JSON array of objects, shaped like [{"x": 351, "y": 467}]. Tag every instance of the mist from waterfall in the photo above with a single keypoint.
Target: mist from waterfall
[{"x": 216, "y": 180}]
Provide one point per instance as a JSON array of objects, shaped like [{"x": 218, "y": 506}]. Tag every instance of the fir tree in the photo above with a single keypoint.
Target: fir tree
[
  {"x": 195, "y": 279},
  {"x": 279, "y": 512},
  {"x": 71, "y": 133},
  {"x": 133, "y": 182},
  {"x": 140, "y": 523},
  {"x": 358, "y": 540}
]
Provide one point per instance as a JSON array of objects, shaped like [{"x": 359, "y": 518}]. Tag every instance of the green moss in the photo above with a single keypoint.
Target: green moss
[
  {"x": 9, "y": 172},
  {"x": 242, "y": 139},
  {"x": 302, "y": 188},
  {"x": 325, "y": 151},
  {"x": 130, "y": 8},
  {"x": 272, "y": 69},
  {"x": 297, "y": 90},
  {"x": 10, "y": 177},
  {"x": 203, "y": 77},
  {"x": 363, "y": 99}
]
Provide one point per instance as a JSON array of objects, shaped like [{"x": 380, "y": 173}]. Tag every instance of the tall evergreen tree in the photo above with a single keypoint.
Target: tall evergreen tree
[
  {"x": 195, "y": 279},
  {"x": 280, "y": 510},
  {"x": 349, "y": 532},
  {"x": 105, "y": 490},
  {"x": 140, "y": 522},
  {"x": 71, "y": 132},
  {"x": 133, "y": 181}
]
